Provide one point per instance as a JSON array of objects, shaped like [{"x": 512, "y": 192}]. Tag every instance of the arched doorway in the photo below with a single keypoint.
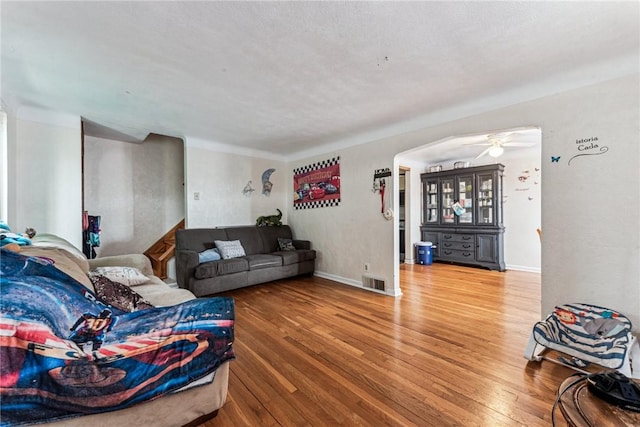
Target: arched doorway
[{"x": 521, "y": 196}]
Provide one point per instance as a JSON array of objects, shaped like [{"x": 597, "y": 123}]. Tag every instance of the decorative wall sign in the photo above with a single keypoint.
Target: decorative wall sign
[
  {"x": 266, "y": 184},
  {"x": 380, "y": 184},
  {"x": 317, "y": 185},
  {"x": 525, "y": 180},
  {"x": 379, "y": 179},
  {"x": 587, "y": 147},
  {"x": 248, "y": 190}
]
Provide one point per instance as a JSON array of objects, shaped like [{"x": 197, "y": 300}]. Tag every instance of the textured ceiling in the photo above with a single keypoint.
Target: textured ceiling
[{"x": 291, "y": 77}]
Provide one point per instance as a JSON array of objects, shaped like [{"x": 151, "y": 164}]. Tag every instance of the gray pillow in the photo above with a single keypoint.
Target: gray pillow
[
  {"x": 286, "y": 244},
  {"x": 230, "y": 248}
]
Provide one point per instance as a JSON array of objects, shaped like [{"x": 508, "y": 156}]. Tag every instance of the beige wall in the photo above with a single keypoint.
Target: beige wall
[
  {"x": 137, "y": 189},
  {"x": 522, "y": 209},
  {"x": 590, "y": 249},
  {"x": 219, "y": 178},
  {"x": 591, "y": 244},
  {"x": 45, "y": 173}
]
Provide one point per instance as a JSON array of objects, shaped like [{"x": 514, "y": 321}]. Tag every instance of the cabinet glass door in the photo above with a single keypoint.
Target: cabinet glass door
[
  {"x": 465, "y": 200},
  {"x": 485, "y": 199},
  {"x": 431, "y": 201},
  {"x": 447, "y": 188}
]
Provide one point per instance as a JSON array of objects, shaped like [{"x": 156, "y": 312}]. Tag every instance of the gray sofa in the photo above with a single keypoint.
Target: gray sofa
[{"x": 264, "y": 260}]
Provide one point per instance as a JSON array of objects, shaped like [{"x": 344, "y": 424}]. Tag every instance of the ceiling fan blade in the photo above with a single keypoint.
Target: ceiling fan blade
[
  {"x": 484, "y": 152},
  {"x": 504, "y": 139},
  {"x": 476, "y": 140}
]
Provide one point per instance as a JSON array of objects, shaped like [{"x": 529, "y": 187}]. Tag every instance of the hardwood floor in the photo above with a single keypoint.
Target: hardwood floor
[{"x": 448, "y": 352}]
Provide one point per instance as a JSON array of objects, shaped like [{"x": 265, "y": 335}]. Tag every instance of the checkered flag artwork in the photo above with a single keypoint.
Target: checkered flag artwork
[
  {"x": 317, "y": 204},
  {"x": 317, "y": 185},
  {"x": 316, "y": 166}
]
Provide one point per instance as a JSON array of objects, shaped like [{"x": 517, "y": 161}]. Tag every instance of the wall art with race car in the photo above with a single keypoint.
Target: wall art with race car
[{"x": 317, "y": 185}]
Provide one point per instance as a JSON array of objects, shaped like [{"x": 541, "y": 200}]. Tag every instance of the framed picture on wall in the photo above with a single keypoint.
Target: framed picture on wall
[{"x": 317, "y": 185}]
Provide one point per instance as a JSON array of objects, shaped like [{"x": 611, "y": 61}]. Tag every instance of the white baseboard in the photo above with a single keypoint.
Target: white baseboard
[
  {"x": 339, "y": 279},
  {"x": 355, "y": 283},
  {"x": 524, "y": 268}
]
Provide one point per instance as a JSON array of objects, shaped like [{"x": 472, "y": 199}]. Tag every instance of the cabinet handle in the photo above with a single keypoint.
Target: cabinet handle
[
  {"x": 466, "y": 253},
  {"x": 466, "y": 246},
  {"x": 466, "y": 237},
  {"x": 448, "y": 252},
  {"x": 448, "y": 245},
  {"x": 447, "y": 236}
]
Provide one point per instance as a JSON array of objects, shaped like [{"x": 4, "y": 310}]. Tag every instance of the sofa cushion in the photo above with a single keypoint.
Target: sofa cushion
[
  {"x": 206, "y": 270},
  {"x": 293, "y": 257},
  {"x": 270, "y": 237},
  {"x": 198, "y": 239},
  {"x": 250, "y": 238},
  {"x": 259, "y": 261},
  {"x": 221, "y": 267},
  {"x": 230, "y": 248},
  {"x": 138, "y": 261},
  {"x": 165, "y": 295}
]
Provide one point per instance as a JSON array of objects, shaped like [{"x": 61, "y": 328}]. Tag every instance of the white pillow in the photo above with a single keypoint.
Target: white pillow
[
  {"x": 230, "y": 248},
  {"x": 126, "y": 275}
]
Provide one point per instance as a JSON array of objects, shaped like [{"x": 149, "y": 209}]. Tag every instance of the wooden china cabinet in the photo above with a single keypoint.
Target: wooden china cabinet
[{"x": 462, "y": 215}]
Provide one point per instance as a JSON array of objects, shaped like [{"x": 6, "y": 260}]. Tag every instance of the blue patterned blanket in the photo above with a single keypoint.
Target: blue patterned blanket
[{"x": 64, "y": 354}]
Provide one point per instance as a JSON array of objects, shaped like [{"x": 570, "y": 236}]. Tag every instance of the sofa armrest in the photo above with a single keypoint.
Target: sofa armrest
[
  {"x": 139, "y": 261},
  {"x": 186, "y": 263},
  {"x": 301, "y": 244}
]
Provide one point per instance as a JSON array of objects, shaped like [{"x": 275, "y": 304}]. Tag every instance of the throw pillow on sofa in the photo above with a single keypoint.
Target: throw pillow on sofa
[
  {"x": 209, "y": 255},
  {"x": 126, "y": 275},
  {"x": 286, "y": 244},
  {"x": 230, "y": 248},
  {"x": 118, "y": 295}
]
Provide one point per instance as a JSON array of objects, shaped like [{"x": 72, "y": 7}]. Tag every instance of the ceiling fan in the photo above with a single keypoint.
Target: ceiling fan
[{"x": 497, "y": 141}]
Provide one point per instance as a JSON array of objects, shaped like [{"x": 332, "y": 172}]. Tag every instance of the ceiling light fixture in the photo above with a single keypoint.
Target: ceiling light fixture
[{"x": 496, "y": 151}]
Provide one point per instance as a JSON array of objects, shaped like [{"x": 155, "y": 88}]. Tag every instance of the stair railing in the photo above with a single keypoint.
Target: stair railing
[{"x": 163, "y": 250}]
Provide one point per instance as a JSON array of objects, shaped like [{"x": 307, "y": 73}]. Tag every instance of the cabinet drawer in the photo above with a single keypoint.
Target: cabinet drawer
[
  {"x": 462, "y": 246},
  {"x": 455, "y": 237},
  {"x": 457, "y": 255}
]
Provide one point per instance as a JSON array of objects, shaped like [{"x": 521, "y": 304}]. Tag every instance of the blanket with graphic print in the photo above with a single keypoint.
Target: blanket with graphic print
[{"x": 63, "y": 353}]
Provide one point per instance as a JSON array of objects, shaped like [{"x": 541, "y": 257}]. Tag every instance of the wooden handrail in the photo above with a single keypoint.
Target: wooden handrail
[{"x": 163, "y": 250}]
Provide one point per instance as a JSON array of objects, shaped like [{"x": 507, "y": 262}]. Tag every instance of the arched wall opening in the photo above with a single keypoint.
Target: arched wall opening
[{"x": 521, "y": 191}]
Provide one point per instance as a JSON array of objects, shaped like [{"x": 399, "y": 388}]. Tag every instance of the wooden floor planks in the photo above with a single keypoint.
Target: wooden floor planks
[{"x": 448, "y": 352}]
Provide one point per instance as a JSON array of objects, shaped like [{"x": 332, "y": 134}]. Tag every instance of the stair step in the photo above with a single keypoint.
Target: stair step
[{"x": 162, "y": 251}]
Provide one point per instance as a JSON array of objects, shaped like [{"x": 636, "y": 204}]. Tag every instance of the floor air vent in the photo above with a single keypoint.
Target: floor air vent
[{"x": 373, "y": 283}]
